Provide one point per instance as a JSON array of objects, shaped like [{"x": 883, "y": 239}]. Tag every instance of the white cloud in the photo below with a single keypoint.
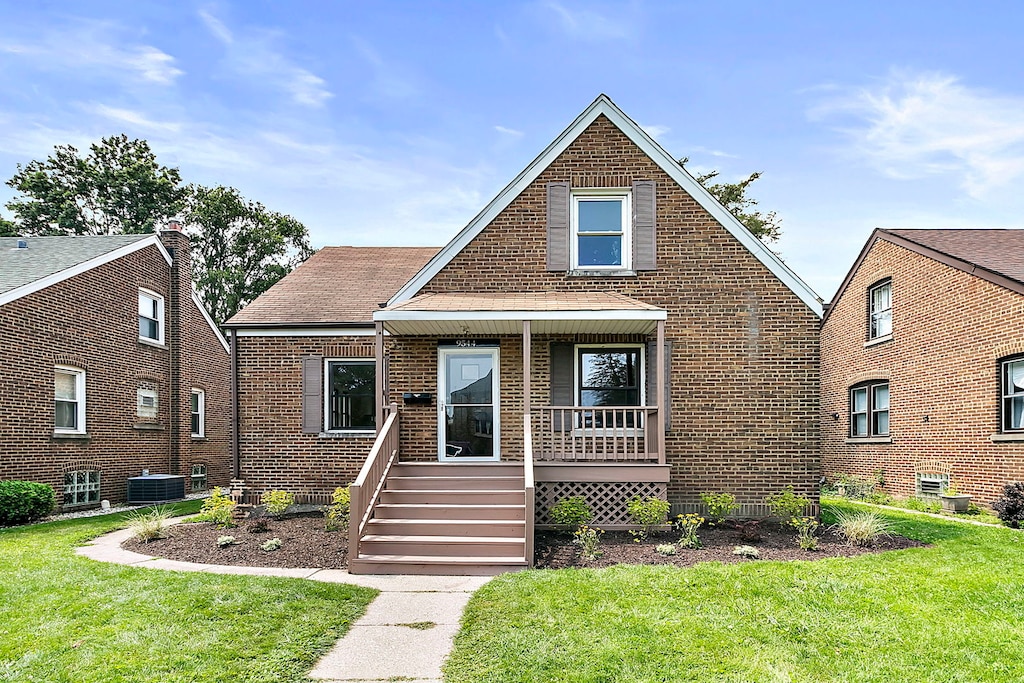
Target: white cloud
[
  {"x": 917, "y": 125},
  {"x": 656, "y": 131},
  {"x": 254, "y": 54},
  {"x": 132, "y": 118},
  {"x": 586, "y": 24},
  {"x": 388, "y": 79},
  {"x": 511, "y": 132}
]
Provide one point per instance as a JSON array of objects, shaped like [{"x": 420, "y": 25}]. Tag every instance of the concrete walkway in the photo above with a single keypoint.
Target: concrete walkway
[{"x": 406, "y": 633}]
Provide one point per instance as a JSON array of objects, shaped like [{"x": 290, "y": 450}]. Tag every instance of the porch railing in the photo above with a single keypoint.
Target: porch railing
[
  {"x": 597, "y": 434},
  {"x": 365, "y": 491},
  {"x": 529, "y": 485}
]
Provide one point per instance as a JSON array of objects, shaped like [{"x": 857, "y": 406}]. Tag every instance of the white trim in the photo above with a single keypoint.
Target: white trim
[
  {"x": 161, "y": 316},
  {"x": 603, "y": 105},
  {"x": 624, "y": 197},
  {"x": 209, "y": 321},
  {"x": 79, "y": 375},
  {"x": 442, "y": 407},
  {"x": 628, "y": 314},
  {"x": 327, "y": 396},
  {"x": 202, "y": 413},
  {"x": 78, "y": 269},
  {"x": 304, "y": 331}
]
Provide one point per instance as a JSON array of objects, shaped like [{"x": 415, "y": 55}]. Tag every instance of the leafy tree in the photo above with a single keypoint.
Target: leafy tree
[
  {"x": 239, "y": 248},
  {"x": 733, "y": 196},
  {"x": 8, "y": 229},
  {"x": 117, "y": 188}
]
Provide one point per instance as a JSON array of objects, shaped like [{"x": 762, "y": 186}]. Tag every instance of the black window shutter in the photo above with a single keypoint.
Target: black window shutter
[
  {"x": 652, "y": 368},
  {"x": 558, "y": 226},
  {"x": 563, "y": 359},
  {"x": 312, "y": 395},
  {"x": 645, "y": 246}
]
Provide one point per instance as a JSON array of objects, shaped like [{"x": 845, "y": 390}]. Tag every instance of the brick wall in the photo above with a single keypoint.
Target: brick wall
[
  {"x": 949, "y": 331},
  {"x": 90, "y": 321}
]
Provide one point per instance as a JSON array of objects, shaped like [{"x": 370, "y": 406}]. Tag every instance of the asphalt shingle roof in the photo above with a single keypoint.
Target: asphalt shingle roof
[
  {"x": 47, "y": 256},
  {"x": 997, "y": 250}
]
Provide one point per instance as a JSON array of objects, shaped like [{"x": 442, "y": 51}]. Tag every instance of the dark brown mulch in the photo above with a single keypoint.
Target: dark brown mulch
[
  {"x": 555, "y": 550},
  {"x": 304, "y": 543}
]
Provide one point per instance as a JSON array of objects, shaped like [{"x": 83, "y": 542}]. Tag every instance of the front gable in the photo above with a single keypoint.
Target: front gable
[{"x": 526, "y": 234}]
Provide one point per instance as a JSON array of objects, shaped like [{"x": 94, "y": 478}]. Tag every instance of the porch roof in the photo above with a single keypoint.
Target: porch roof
[{"x": 460, "y": 313}]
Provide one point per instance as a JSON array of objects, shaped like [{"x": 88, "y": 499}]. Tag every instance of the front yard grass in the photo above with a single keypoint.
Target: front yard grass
[
  {"x": 68, "y": 618},
  {"x": 953, "y": 612}
]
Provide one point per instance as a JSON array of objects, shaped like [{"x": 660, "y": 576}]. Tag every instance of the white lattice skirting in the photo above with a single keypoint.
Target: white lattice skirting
[{"x": 607, "y": 500}]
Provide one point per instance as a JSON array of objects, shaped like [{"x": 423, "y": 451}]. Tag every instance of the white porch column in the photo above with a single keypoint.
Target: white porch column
[
  {"x": 527, "y": 344},
  {"x": 379, "y": 380},
  {"x": 659, "y": 382}
]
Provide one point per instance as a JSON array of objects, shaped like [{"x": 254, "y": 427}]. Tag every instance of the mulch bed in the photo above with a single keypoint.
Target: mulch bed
[
  {"x": 304, "y": 543},
  {"x": 555, "y": 550}
]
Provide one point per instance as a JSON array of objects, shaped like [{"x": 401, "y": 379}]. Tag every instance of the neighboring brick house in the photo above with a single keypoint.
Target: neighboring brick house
[
  {"x": 111, "y": 366},
  {"x": 604, "y": 328},
  {"x": 922, "y": 356}
]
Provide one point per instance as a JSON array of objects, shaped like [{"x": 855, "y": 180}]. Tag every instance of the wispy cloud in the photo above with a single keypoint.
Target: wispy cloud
[
  {"x": 131, "y": 118},
  {"x": 656, "y": 131},
  {"x": 95, "y": 48},
  {"x": 387, "y": 79},
  {"x": 255, "y": 55},
  {"x": 912, "y": 125},
  {"x": 511, "y": 132},
  {"x": 586, "y": 24}
]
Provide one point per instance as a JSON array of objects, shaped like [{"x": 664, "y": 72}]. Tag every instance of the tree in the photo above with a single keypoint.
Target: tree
[
  {"x": 239, "y": 248},
  {"x": 8, "y": 229},
  {"x": 117, "y": 188},
  {"x": 733, "y": 196}
]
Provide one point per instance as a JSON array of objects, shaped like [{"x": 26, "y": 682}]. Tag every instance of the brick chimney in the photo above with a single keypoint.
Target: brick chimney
[{"x": 179, "y": 293}]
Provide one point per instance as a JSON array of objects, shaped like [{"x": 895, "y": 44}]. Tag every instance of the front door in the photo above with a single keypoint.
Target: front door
[{"x": 467, "y": 404}]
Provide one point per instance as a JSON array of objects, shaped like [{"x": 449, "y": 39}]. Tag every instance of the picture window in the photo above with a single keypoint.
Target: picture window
[{"x": 349, "y": 397}]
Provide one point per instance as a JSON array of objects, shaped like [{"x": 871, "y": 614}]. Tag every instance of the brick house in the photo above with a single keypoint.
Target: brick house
[
  {"x": 602, "y": 328},
  {"x": 923, "y": 363},
  {"x": 112, "y": 366}
]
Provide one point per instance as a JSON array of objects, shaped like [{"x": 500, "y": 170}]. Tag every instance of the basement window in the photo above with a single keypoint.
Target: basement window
[
  {"x": 198, "y": 477},
  {"x": 81, "y": 487}
]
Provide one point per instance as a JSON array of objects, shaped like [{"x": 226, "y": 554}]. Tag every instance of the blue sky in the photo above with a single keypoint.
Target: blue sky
[{"x": 394, "y": 123}]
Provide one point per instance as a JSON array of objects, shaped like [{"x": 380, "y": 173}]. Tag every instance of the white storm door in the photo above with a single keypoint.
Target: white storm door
[{"x": 468, "y": 404}]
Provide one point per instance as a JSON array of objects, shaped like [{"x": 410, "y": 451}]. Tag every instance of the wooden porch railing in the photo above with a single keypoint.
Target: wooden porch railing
[
  {"x": 530, "y": 486},
  {"x": 365, "y": 491},
  {"x": 598, "y": 434}
]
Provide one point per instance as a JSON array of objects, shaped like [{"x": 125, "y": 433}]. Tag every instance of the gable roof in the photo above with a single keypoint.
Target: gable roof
[
  {"x": 49, "y": 260},
  {"x": 995, "y": 255},
  {"x": 310, "y": 295},
  {"x": 604, "y": 106}
]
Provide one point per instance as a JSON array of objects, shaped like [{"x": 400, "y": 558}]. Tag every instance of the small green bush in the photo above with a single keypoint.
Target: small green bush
[
  {"x": 572, "y": 512},
  {"x": 588, "y": 539},
  {"x": 218, "y": 508},
  {"x": 665, "y": 549},
  {"x": 805, "y": 529},
  {"x": 1010, "y": 506},
  {"x": 686, "y": 526},
  {"x": 225, "y": 541},
  {"x": 149, "y": 525},
  {"x": 861, "y": 528},
  {"x": 787, "y": 505},
  {"x": 271, "y": 545},
  {"x": 648, "y": 513},
  {"x": 24, "y": 501},
  {"x": 719, "y": 505},
  {"x": 338, "y": 513},
  {"x": 277, "y": 502},
  {"x": 746, "y": 551}
]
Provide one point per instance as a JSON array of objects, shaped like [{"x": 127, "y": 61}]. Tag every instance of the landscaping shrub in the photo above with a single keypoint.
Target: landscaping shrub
[
  {"x": 338, "y": 513},
  {"x": 1010, "y": 507},
  {"x": 648, "y": 513},
  {"x": 218, "y": 508},
  {"x": 588, "y": 539},
  {"x": 665, "y": 549},
  {"x": 149, "y": 525},
  {"x": 750, "y": 530},
  {"x": 225, "y": 541},
  {"x": 805, "y": 528},
  {"x": 277, "y": 502},
  {"x": 719, "y": 505},
  {"x": 861, "y": 528},
  {"x": 746, "y": 551},
  {"x": 686, "y": 526},
  {"x": 787, "y": 505},
  {"x": 271, "y": 545},
  {"x": 24, "y": 501},
  {"x": 572, "y": 512}
]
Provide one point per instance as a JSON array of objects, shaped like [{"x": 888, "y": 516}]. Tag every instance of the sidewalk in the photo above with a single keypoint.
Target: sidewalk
[{"x": 406, "y": 633}]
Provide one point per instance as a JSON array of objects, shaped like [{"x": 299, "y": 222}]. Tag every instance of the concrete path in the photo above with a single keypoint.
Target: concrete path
[{"x": 405, "y": 634}]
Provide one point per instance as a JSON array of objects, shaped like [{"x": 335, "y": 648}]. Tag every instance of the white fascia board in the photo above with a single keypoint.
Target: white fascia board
[
  {"x": 209, "y": 321},
  {"x": 445, "y": 316},
  {"x": 603, "y": 105},
  {"x": 78, "y": 269},
  {"x": 304, "y": 332}
]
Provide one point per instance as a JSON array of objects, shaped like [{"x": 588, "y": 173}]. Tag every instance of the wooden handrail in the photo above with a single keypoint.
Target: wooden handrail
[
  {"x": 599, "y": 434},
  {"x": 529, "y": 486},
  {"x": 364, "y": 492}
]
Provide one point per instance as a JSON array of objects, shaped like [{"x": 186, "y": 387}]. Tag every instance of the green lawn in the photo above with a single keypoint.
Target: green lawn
[
  {"x": 68, "y": 618},
  {"x": 953, "y": 612}
]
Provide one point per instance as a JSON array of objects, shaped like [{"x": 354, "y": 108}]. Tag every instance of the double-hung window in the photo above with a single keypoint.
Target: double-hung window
[
  {"x": 880, "y": 310},
  {"x": 601, "y": 235},
  {"x": 197, "y": 407},
  {"x": 610, "y": 377},
  {"x": 151, "y": 316},
  {"x": 349, "y": 397},
  {"x": 869, "y": 410},
  {"x": 69, "y": 400},
  {"x": 1013, "y": 395}
]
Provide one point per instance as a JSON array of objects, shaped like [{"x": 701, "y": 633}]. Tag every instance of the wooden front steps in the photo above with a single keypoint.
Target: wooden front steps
[{"x": 447, "y": 518}]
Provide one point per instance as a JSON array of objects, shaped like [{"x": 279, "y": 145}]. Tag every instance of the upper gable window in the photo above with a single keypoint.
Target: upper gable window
[
  {"x": 601, "y": 230},
  {"x": 151, "y": 316},
  {"x": 880, "y": 310}
]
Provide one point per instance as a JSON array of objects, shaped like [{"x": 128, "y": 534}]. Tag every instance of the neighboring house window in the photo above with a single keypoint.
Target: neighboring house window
[
  {"x": 349, "y": 397},
  {"x": 69, "y": 400},
  {"x": 1013, "y": 395},
  {"x": 869, "y": 409},
  {"x": 198, "y": 409},
  {"x": 609, "y": 376},
  {"x": 151, "y": 316},
  {"x": 147, "y": 402},
  {"x": 880, "y": 304},
  {"x": 601, "y": 235},
  {"x": 81, "y": 487},
  {"x": 198, "y": 477}
]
